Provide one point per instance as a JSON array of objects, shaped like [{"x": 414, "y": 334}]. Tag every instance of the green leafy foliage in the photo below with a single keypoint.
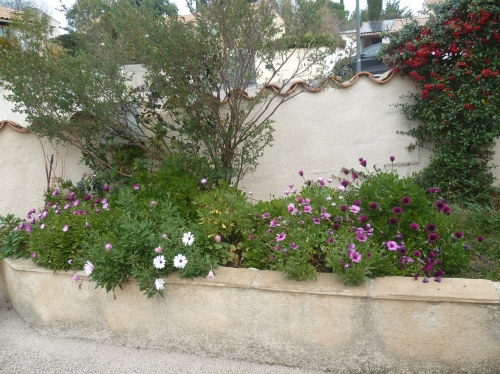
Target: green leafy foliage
[{"x": 455, "y": 64}]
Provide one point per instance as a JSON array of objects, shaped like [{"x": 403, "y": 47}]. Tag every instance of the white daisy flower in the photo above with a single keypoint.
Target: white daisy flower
[
  {"x": 159, "y": 284},
  {"x": 180, "y": 261},
  {"x": 187, "y": 238},
  {"x": 88, "y": 267},
  {"x": 210, "y": 275},
  {"x": 159, "y": 262}
]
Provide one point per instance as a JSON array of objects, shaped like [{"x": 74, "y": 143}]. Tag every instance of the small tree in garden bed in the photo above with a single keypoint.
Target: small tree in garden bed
[
  {"x": 384, "y": 226},
  {"x": 455, "y": 63},
  {"x": 197, "y": 76}
]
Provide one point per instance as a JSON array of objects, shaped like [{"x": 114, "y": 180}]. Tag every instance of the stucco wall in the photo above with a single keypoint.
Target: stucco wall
[
  {"x": 322, "y": 132},
  {"x": 388, "y": 325}
]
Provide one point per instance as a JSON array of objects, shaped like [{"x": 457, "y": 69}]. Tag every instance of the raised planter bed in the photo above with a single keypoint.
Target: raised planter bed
[{"x": 391, "y": 324}]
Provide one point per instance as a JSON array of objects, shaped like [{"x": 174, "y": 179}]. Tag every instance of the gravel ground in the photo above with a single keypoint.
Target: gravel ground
[{"x": 24, "y": 350}]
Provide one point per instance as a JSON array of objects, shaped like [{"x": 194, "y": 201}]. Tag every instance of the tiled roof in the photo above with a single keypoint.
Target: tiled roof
[{"x": 6, "y": 13}]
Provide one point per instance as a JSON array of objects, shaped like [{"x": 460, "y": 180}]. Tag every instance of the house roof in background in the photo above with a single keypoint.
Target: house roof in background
[
  {"x": 376, "y": 28},
  {"x": 6, "y": 13}
]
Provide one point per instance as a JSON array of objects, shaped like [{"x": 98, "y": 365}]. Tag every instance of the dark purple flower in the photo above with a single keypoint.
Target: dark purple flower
[
  {"x": 336, "y": 226},
  {"x": 373, "y": 206},
  {"x": 362, "y": 162},
  {"x": 97, "y": 200},
  {"x": 447, "y": 210},
  {"x": 362, "y": 218},
  {"x": 369, "y": 255},
  {"x": 459, "y": 234},
  {"x": 480, "y": 257},
  {"x": 250, "y": 237},
  {"x": 343, "y": 208},
  {"x": 417, "y": 253},
  {"x": 393, "y": 220},
  {"x": 397, "y": 210},
  {"x": 392, "y": 158},
  {"x": 432, "y": 238},
  {"x": 266, "y": 215},
  {"x": 467, "y": 247},
  {"x": 271, "y": 258},
  {"x": 480, "y": 238},
  {"x": 415, "y": 276},
  {"x": 425, "y": 280},
  {"x": 301, "y": 173},
  {"x": 406, "y": 200},
  {"x": 437, "y": 279},
  {"x": 277, "y": 248},
  {"x": 345, "y": 183},
  {"x": 330, "y": 240},
  {"x": 87, "y": 197},
  {"x": 294, "y": 246},
  {"x": 106, "y": 188},
  {"x": 433, "y": 190},
  {"x": 354, "y": 176},
  {"x": 357, "y": 202},
  {"x": 346, "y": 171},
  {"x": 399, "y": 236},
  {"x": 430, "y": 227}
]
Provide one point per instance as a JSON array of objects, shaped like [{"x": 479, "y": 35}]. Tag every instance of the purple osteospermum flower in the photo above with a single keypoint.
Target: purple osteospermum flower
[
  {"x": 325, "y": 215},
  {"x": 316, "y": 220},
  {"x": 55, "y": 192},
  {"x": 426, "y": 280},
  {"x": 392, "y": 158},
  {"x": 430, "y": 227},
  {"x": 363, "y": 218},
  {"x": 274, "y": 223},
  {"x": 280, "y": 237},
  {"x": 392, "y": 245},
  {"x": 271, "y": 258},
  {"x": 417, "y": 253},
  {"x": 265, "y": 215},
  {"x": 153, "y": 203},
  {"x": 286, "y": 192},
  {"x": 393, "y": 220},
  {"x": 406, "y": 200},
  {"x": 369, "y": 255},
  {"x": 108, "y": 247},
  {"x": 361, "y": 237},
  {"x": 433, "y": 237},
  {"x": 330, "y": 240},
  {"x": 217, "y": 238},
  {"x": 344, "y": 183},
  {"x": 301, "y": 173},
  {"x": 357, "y": 202},
  {"x": 467, "y": 247},
  {"x": 307, "y": 209},
  {"x": 355, "y": 256},
  {"x": 158, "y": 249},
  {"x": 447, "y": 210},
  {"x": 415, "y": 276},
  {"x": 270, "y": 231},
  {"x": 354, "y": 176},
  {"x": 33, "y": 254},
  {"x": 277, "y": 248},
  {"x": 414, "y": 226},
  {"x": 354, "y": 209},
  {"x": 373, "y": 206},
  {"x": 397, "y": 210},
  {"x": 345, "y": 171},
  {"x": 347, "y": 266},
  {"x": 294, "y": 246},
  {"x": 75, "y": 277},
  {"x": 480, "y": 238},
  {"x": 459, "y": 234},
  {"x": 106, "y": 187},
  {"x": 136, "y": 186}
]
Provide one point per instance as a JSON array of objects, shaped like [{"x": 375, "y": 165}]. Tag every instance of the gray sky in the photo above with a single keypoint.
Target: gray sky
[{"x": 51, "y": 5}]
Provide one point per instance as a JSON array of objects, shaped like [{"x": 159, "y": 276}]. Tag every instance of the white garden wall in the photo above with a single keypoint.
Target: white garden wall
[{"x": 318, "y": 132}]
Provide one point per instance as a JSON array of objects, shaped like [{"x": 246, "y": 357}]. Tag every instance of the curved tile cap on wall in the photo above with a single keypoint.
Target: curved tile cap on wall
[{"x": 13, "y": 125}]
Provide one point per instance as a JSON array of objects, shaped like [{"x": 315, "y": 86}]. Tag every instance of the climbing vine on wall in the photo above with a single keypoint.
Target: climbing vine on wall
[{"x": 454, "y": 60}]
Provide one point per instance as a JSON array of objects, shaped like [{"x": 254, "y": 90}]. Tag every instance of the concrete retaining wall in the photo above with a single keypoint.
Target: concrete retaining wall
[{"x": 391, "y": 324}]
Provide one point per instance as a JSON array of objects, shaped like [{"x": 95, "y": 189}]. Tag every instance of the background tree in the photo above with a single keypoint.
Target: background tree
[
  {"x": 374, "y": 8},
  {"x": 197, "y": 74},
  {"x": 393, "y": 10},
  {"x": 455, "y": 63}
]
